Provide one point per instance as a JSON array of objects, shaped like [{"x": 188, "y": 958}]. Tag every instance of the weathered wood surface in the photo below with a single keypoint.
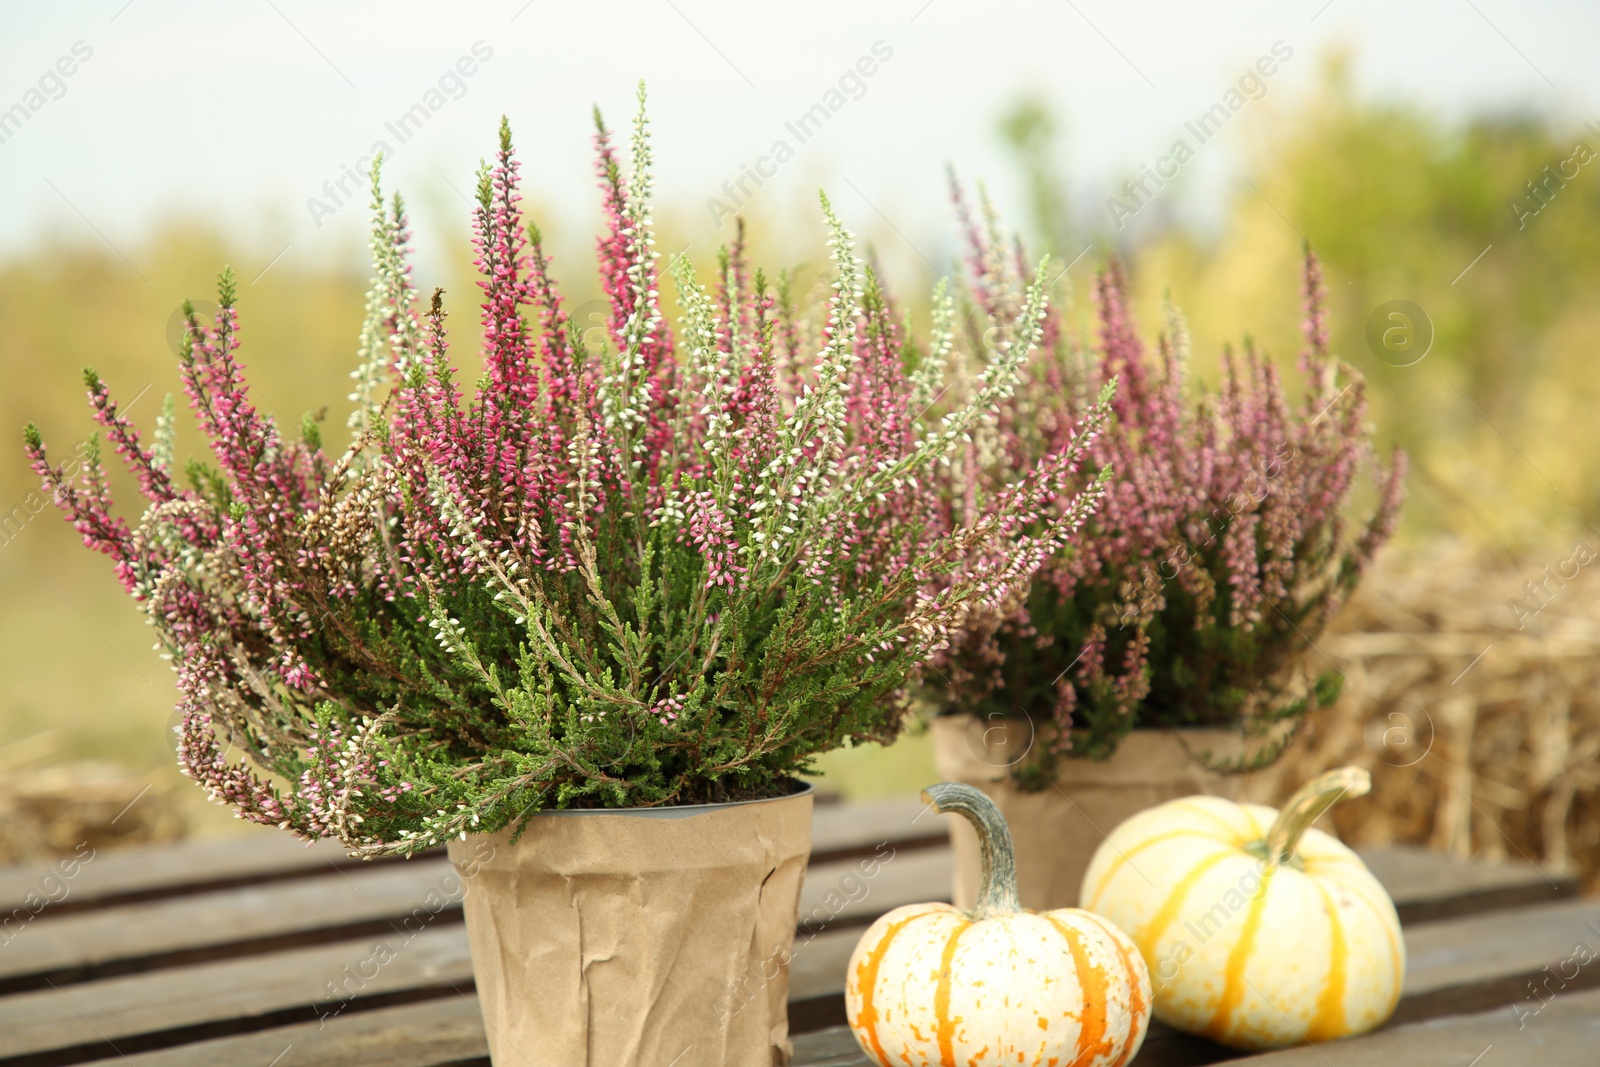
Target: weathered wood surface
[
  {"x": 173, "y": 1006},
  {"x": 1427, "y": 886},
  {"x": 846, "y": 831},
  {"x": 230, "y": 923},
  {"x": 1566, "y": 1033},
  {"x": 1475, "y": 962},
  {"x": 447, "y": 1032},
  {"x": 264, "y": 951},
  {"x": 170, "y": 870}
]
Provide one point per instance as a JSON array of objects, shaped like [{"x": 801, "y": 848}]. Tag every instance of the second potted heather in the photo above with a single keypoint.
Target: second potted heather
[
  {"x": 588, "y": 624},
  {"x": 1173, "y": 645}
]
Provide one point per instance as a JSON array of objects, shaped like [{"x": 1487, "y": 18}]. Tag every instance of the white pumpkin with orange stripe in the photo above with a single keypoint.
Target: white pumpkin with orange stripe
[
  {"x": 932, "y": 986},
  {"x": 1259, "y": 931}
]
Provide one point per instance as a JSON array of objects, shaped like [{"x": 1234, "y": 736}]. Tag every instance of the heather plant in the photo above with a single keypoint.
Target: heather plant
[
  {"x": 1216, "y": 558},
  {"x": 668, "y": 569}
]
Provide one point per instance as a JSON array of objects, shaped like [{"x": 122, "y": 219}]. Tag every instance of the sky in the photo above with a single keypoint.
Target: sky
[{"x": 252, "y": 112}]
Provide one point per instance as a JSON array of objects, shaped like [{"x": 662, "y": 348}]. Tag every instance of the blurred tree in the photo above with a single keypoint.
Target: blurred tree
[
  {"x": 1032, "y": 131},
  {"x": 1405, "y": 207},
  {"x": 1490, "y": 226}
]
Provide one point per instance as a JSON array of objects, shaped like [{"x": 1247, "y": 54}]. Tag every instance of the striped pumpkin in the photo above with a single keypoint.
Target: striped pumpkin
[
  {"x": 931, "y": 985},
  {"x": 1259, "y": 932}
]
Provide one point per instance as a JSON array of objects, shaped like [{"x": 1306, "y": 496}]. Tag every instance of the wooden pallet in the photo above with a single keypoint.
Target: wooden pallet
[{"x": 223, "y": 953}]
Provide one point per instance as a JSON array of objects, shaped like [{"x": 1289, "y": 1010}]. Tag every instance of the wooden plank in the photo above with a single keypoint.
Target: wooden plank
[
  {"x": 72, "y": 1024},
  {"x": 853, "y": 830},
  {"x": 1565, "y": 1033},
  {"x": 852, "y": 893},
  {"x": 834, "y": 1047},
  {"x": 232, "y": 923},
  {"x": 1501, "y": 958},
  {"x": 447, "y": 1032},
  {"x": 1427, "y": 885},
  {"x": 149, "y": 872},
  {"x": 816, "y": 979},
  {"x": 441, "y": 1033}
]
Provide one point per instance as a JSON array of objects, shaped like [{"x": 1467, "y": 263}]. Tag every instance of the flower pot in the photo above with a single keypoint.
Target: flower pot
[
  {"x": 646, "y": 936},
  {"x": 1055, "y": 831}
]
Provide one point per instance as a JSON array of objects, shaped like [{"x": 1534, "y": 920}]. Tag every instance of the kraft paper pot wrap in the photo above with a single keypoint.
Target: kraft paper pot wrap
[
  {"x": 1055, "y": 831},
  {"x": 642, "y": 937}
]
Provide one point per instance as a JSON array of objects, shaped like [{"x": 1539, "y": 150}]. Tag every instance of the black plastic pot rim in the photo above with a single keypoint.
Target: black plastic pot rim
[{"x": 679, "y": 811}]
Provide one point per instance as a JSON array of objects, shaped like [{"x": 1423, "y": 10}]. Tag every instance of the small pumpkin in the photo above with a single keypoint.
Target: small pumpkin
[
  {"x": 930, "y": 984},
  {"x": 1258, "y": 930}
]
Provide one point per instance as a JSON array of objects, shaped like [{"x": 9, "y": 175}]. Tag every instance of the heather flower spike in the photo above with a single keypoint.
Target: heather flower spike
[
  {"x": 391, "y": 329},
  {"x": 670, "y": 566}
]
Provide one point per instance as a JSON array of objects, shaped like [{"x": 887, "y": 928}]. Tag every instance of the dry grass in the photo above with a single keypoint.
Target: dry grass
[
  {"x": 1481, "y": 734},
  {"x": 53, "y": 809}
]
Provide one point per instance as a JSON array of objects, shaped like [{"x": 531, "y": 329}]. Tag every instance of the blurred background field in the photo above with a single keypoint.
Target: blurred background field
[{"x": 1401, "y": 203}]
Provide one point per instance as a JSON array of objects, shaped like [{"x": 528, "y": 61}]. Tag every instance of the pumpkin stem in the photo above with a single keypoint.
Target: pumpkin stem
[
  {"x": 1310, "y": 801},
  {"x": 997, "y": 875}
]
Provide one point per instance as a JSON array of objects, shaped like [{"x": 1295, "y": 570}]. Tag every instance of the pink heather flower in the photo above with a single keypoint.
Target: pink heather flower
[
  {"x": 668, "y": 567},
  {"x": 1215, "y": 556}
]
